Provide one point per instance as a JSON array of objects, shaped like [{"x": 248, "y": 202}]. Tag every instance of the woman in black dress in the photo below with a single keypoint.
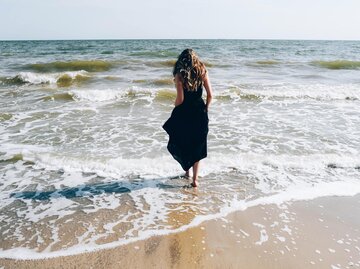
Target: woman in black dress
[{"x": 188, "y": 125}]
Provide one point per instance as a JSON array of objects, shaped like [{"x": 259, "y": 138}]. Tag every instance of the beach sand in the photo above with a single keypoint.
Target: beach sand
[{"x": 320, "y": 233}]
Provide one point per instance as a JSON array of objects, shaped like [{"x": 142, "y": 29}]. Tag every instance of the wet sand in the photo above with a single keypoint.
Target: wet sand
[{"x": 320, "y": 233}]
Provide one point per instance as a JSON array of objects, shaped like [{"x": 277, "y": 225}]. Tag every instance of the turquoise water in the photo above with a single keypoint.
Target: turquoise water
[{"x": 81, "y": 137}]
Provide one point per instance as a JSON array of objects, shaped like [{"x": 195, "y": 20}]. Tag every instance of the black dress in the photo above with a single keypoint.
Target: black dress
[{"x": 188, "y": 128}]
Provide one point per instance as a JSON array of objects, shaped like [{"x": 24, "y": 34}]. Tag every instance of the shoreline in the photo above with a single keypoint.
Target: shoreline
[{"x": 319, "y": 233}]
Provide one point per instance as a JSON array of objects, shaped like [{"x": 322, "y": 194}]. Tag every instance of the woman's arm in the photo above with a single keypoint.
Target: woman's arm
[
  {"x": 179, "y": 90},
  {"x": 208, "y": 89}
]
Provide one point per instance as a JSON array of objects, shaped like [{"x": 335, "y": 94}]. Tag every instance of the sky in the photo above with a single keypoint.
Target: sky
[{"x": 181, "y": 19}]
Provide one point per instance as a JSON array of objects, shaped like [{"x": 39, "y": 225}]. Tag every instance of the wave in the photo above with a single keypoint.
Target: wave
[
  {"x": 13, "y": 159},
  {"x": 16, "y": 152},
  {"x": 73, "y": 47},
  {"x": 112, "y": 78},
  {"x": 61, "y": 79},
  {"x": 68, "y": 79},
  {"x": 165, "y": 95},
  {"x": 156, "y": 82},
  {"x": 7, "y": 54},
  {"x": 167, "y": 63},
  {"x": 76, "y": 65},
  {"x": 5, "y": 116},
  {"x": 156, "y": 54},
  {"x": 249, "y": 92},
  {"x": 255, "y": 92},
  {"x": 105, "y": 95},
  {"x": 163, "y": 82},
  {"x": 338, "y": 64},
  {"x": 267, "y": 62},
  {"x": 235, "y": 93},
  {"x": 46, "y": 158},
  {"x": 154, "y": 196},
  {"x": 171, "y": 63},
  {"x": 107, "y": 52},
  {"x": 59, "y": 96},
  {"x": 263, "y": 63},
  {"x": 96, "y": 95},
  {"x": 12, "y": 81}
]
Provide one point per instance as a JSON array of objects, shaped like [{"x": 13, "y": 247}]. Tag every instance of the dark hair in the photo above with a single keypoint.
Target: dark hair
[{"x": 191, "y": 70}]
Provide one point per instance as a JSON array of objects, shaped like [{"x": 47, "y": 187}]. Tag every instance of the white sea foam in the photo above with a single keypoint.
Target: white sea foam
[
  {"x": 296, "y": 91},
  {"x": 233, "y": 92},
  {"x": 9, "y": 150},
  {"x": 51, "y": 78},
  {"x": 35, "y": 78},
  {"x": 292, "y": 194},
  {"x": 97, "y": 95},
  {"x": 280, "y": 189},
  {"x": 46, "y": 158}
]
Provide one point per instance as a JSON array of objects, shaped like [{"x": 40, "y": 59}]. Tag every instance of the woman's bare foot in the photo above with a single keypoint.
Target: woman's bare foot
[
  {"x": 195, "y": 174},
  {"x": 187, "y": 174},
  {"x": 194, "y": 184}
]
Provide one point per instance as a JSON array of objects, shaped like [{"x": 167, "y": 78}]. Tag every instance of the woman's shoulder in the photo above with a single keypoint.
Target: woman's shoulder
[{"x": 205, "y": 76}]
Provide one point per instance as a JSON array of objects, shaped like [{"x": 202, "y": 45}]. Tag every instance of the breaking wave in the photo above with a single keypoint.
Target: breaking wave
[
  {"x": 250, "y": 92},
  {"x": 292, "y": 91},
  {"x": 61, "y": 79}
]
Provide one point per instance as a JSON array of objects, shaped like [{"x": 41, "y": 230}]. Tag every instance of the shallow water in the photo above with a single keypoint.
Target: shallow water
[{"x": 83, "y": 157}]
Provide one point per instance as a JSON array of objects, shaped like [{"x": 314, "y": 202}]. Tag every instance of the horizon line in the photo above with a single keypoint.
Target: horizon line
[{"x": 130, "y": 39}]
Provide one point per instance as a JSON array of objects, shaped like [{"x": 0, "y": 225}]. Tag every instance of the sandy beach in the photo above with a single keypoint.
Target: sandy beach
[
  {"x": 84, "y": 164},
  {"x": 319, "y": 233}
]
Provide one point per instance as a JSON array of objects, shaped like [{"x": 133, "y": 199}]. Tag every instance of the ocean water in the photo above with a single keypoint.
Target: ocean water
[{"x": 83, "y": 158}]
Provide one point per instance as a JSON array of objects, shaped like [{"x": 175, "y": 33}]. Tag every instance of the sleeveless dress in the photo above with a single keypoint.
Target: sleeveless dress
[{"x": 187, "y": 128}]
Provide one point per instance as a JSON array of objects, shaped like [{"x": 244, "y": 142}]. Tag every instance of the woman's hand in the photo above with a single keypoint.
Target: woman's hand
[{"x": 208, "y": 89}]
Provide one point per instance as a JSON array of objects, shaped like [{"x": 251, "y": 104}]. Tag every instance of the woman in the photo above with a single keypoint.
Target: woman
[{"x": 188, "y": 125}]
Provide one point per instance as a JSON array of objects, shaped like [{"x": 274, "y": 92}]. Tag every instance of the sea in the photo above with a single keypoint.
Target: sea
[{"x": 84, "y": 164}]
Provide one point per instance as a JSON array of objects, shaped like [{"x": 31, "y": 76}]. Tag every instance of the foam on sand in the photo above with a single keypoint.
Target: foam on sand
[
  {"x": 95, "y": 186},
  {"x": 321, "y": 190}
]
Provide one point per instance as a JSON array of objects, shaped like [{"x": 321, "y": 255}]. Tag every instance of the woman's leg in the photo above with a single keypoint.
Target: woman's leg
[
  {"x": 187, "y": 174},
  {"x": 195, "y": 173}
]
